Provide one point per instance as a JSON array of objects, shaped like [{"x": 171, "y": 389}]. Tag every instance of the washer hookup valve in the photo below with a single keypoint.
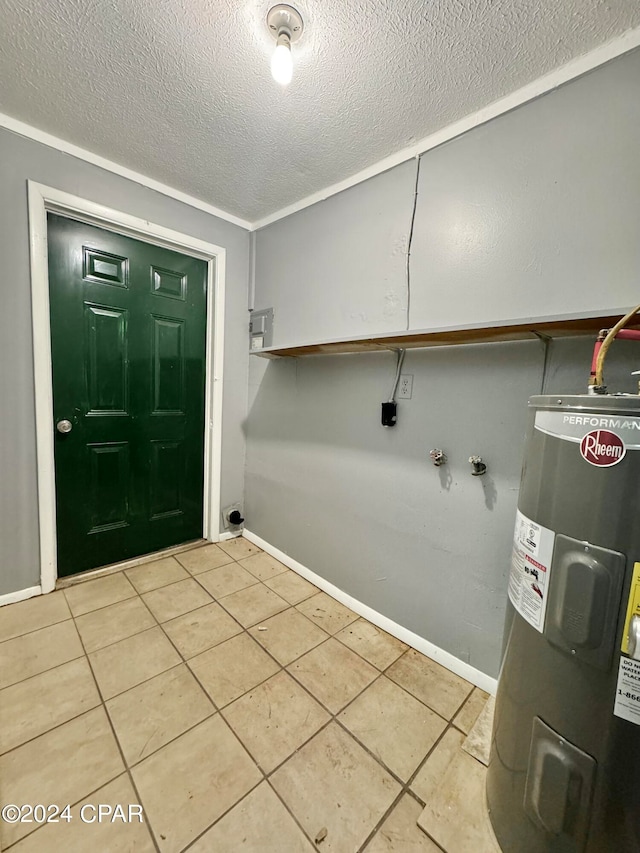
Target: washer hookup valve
[
  {"x": 438, "y": 457},
  {"x": 478, "y": 465}
]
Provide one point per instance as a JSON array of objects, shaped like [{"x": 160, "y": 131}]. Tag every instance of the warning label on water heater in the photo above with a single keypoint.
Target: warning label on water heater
[
  {"x": 530, "y": 569},
  {"x": 627, "y": 704}
]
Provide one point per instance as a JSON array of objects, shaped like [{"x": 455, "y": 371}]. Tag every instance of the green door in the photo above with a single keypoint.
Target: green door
[{"x": 128, "y": 327}]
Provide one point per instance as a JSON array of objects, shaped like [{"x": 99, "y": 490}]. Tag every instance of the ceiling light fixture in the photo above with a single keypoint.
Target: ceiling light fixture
[{"x": 285, "y": 25}]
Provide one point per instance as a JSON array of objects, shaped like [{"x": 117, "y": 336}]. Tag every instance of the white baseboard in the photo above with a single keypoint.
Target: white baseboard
[
  {"x": 227, "y": 535},
  {"x": 19, "y": 595},
  {"x": 446, "y": 659}
]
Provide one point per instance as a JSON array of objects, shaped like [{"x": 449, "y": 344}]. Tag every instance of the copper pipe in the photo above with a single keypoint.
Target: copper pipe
[{"x": 599, "y": 378}]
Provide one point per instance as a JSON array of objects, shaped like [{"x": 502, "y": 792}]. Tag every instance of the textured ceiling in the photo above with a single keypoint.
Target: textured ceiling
[{"x": 180, "y": 90}]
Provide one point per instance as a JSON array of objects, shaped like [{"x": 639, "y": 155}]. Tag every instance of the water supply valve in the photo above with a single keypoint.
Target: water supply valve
[
  {"x": 478, "y": 466},
  {"x": 438, "y": 457}
]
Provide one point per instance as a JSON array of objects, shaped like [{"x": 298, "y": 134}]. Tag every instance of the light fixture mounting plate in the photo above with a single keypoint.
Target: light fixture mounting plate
[{"x": 284, "y": 17}]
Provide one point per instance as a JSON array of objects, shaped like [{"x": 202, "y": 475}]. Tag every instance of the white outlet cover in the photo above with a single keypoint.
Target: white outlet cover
[{"x": 405, "y": 386}]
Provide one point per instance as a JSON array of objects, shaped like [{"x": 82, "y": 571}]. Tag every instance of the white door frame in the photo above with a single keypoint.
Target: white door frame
[{"x": 43, "y": 199}]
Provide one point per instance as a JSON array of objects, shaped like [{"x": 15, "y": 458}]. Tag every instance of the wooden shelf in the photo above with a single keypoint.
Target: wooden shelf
[{"x": 523, "y": 330}]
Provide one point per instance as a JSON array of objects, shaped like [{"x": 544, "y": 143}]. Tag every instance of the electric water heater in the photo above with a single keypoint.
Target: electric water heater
[{"x": 564, "y": 774}]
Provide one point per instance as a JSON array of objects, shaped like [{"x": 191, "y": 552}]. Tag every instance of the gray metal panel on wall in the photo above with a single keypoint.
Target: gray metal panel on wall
[
  {"x": 536, "y": 212},
  {"x": 20, "y": 160},
  {"x": 339, "y": 267}
]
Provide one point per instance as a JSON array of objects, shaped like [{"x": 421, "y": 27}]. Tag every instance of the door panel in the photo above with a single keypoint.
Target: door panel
[
  {"x": 128, "y": 326},
  {"x": 168, "y": 283},
  {"x": 168, "y": 366},
  {"x": 167, "y": 471},
  {"x": 108, "y": 486},
  {"x": 107, "y": 364}
]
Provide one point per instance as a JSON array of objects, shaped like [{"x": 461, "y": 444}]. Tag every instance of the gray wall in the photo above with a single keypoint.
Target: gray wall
[
  {"x": 364, "y": 507},
  {"x": 20, "y": 160},
  {"x": 536, "y": 213}
]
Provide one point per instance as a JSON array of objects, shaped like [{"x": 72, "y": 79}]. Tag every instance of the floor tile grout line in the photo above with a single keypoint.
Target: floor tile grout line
[
  {"x": 459, "y": 711},
  {"x": 33, "y": 631},
  {"x": 196, "y": 578},
  {"x": 182, "y": 662},
  {"x": 247, "y": 627},
  {"x": 100, "y": 704},
  {"x": 87, "y": 654},
  {"x": 380, "y": 669},
  {"x": 124, "y": 571},
  {"x": 120, "y": 639},
  {"x": 290, "y": 812},
  {"x": 379, "y": 673},
  {"x": 68, "y": 581},
  {"x": 278, "y": 663},
  {"x": 102, "y": 701},
  {"x": 119, "y": 747},
  {"x": 144, "y": 680},
  {"x": 404, "y": 690},
  {"x": 134, "y": 765},
  {"x": 227, "y": 594},
  {"x": 251, "y": 586},
  {"x": 266, "y": 776},
  {"x": 221, "y": 709},
  {"x": 293, "y": 660},
  {"x": 178, "y": 615},
  {"x": 223, "y": 815},
  {"x": 141, "y": 592},
  {"x": 53, "y": 728},
  {"x": 202, "y": 651},
  {"x": 42, "y": 672},
  {"x": 405, "y": 787},
  {"x": 186, "y": 661},
  {"x": 418, "y": 769},
  {"x": 408, "y": 790},
  {"x": 396, "y": 802},
  {"x": 333, "y": 717},
  {"x": 104, "y": 606},
  {"x": 275, "y": 769},
  {"x": 316, "y": 699},
  {"x": 281, "y": 668},
  {"x": 72, "y": 805},
  {"x": 370, "y": 752}
]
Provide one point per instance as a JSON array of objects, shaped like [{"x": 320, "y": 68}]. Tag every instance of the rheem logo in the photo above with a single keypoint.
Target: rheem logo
[{"x": 602, "y": 448}]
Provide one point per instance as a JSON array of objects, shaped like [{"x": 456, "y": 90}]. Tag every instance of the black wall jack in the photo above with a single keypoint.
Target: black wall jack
[{"x": 389, "y": 414}]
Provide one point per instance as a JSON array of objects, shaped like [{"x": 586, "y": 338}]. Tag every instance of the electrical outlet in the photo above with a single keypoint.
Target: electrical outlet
[{"x": 405, "y": 386}]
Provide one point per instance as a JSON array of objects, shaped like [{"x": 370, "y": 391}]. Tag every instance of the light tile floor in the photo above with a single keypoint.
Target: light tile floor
[{"x": 241, "y": 707}]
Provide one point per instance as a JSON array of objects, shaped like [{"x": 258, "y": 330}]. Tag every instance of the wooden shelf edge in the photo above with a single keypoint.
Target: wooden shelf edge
[{"x": 531, "y": 330}]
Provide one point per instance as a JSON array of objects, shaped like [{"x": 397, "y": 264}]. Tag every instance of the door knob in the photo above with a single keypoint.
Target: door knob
[{"x": 64, "y": 426}]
